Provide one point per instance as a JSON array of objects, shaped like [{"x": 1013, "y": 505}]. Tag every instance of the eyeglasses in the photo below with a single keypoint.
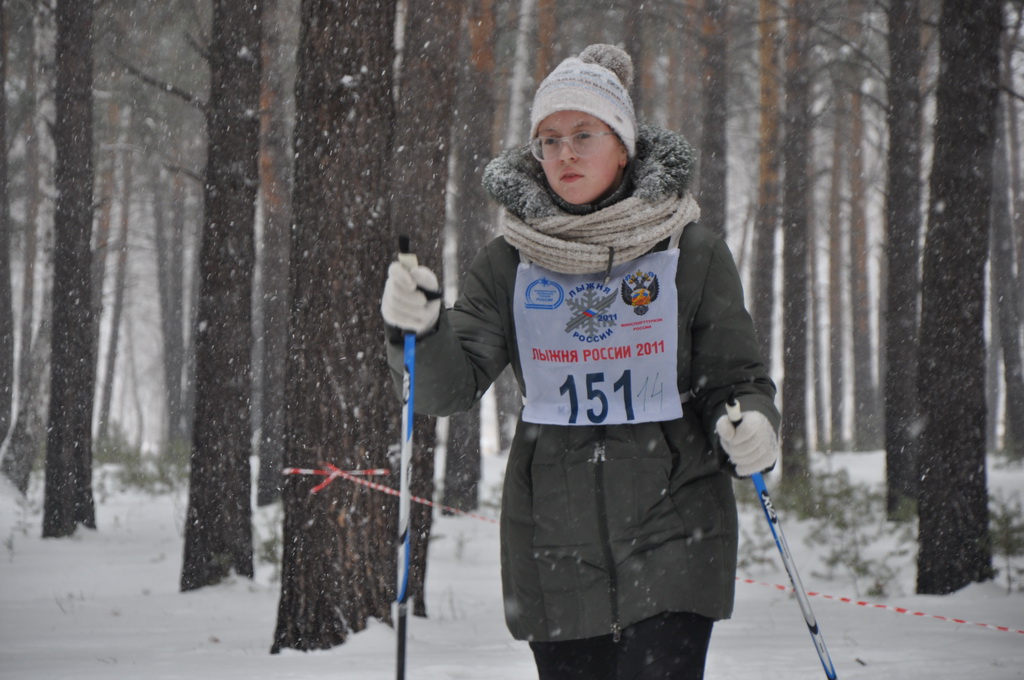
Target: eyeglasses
[{"x": 582, "y": 144}]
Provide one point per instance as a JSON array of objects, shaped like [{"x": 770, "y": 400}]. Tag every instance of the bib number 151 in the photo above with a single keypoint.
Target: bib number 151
[{"x": 596, "y": 392}]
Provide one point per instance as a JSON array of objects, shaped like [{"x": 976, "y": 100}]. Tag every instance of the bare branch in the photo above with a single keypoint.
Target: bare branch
[
  {"x": 161, "y": 85},
  {"x": 177, "y": 169},
  {"x": 199, "y": 47}
]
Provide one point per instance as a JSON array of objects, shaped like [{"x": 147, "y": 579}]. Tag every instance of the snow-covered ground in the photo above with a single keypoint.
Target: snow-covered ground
[{"x": 105, "y": 604}]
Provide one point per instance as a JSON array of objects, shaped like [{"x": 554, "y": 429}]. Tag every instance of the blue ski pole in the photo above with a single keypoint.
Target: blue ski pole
[
  {"x": 732, "y": 408},
  {"x": 408, "y": 260}
]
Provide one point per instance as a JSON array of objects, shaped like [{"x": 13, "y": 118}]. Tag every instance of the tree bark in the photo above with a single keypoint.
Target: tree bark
[
  {"x": 766, "y": 225},
  {"x": 120, "y": 280},
  {"x": 866, "y": 428},
  {"x": 33, "y": 198},
  {"x": 420, "y": 177},
  {"x": 68, "y": 499},
  {"x": 275, "y": 186},
  {"x": 169, "y": 238},
  {"x": 903, "y": 225},
  {"x": 6, "y": 301},
  {"x": 1007, "y": 304},
  {"x": 796, "y": 151},
  {"x": 836, "y": 269},
  {"x": 470, "y": 219},
  {"x": 713, "y": 147},
  {"x": 953, "y": 505},
  {"x": 218, "y": 525},
  {"x": 338, "y": 568}
]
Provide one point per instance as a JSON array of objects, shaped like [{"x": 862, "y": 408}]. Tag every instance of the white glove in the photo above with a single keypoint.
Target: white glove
[
  {"x": 405, "y": 304},
  {"x": 752, "y": 445}
]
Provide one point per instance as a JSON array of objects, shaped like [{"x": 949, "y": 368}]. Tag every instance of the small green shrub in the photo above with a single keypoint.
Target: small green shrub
[
  {"x": 1006, "y": 526},
  {"x": 850, "y": 528},
  {"x": 133, "y": 468}
]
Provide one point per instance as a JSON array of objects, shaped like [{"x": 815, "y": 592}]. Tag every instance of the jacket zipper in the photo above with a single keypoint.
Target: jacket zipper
[{"x": 602, "y": 522}]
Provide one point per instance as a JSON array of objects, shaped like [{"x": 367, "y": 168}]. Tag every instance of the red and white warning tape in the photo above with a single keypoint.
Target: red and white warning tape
[
  {"x": 332, "y": 473},
  {"x": 871, "y": 605}
]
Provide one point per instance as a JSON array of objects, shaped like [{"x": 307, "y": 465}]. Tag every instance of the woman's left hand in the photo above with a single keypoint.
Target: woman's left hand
[{"x": 750, "y": 442}]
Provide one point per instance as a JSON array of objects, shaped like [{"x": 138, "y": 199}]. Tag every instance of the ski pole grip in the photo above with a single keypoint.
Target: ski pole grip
[
  {"x": 732, "y": 409},
  {"x": 408, "y": 260},
  {"x": 405, "y": 255}
]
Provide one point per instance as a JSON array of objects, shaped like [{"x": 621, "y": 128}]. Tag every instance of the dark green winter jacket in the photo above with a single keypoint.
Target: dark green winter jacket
[{"x": 604, "y": 526}]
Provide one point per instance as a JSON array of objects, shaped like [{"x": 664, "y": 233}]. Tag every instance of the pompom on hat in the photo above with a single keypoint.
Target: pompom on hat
[{"x": 596, "y": 82}]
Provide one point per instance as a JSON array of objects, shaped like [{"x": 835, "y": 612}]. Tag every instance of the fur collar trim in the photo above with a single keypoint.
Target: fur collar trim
[{"x": 662, "y": 168}]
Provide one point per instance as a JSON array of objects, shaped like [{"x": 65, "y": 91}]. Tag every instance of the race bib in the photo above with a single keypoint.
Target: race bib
[{"x": 599, "y": 354}]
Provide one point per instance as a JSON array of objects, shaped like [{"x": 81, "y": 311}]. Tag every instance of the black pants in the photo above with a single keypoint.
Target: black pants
[{"x": 669, "y": 646}]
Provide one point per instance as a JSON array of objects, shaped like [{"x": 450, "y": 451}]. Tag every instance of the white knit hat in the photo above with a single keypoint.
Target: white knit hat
[{"x": 596, "y": 82}]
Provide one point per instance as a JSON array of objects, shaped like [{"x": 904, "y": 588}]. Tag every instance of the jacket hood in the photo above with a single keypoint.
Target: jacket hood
[{"x": 662, "y": 167}]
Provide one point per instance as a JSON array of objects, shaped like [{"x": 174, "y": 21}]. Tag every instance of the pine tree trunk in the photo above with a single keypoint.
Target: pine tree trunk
[
  {"x": 28, "y": 433},
  {"x": 6, "y": 302},
  {"x": 68, "y": 489},
  {"x": 33, "y": 197},
  {"x": 1004, "y": 288},
  {"x": 470, "y": 220},
  {"x": 953, "y": 504},
  {"x": 903, "y": 224},
  {"x": 169, "y": 238},
  {"x": 795, "y": 192},
  {"x": 766, "y": 226},
  {"x": 275, "y": 187},
  {"x": 218, "y": 526},
  {"x": 516, "y": 131},
  {"x": 120, "y": 279},
  {"x": 836, "y": 269},
  {"x": 338, "y": 568},
  {"x": 101, "y": 232},
  {"x": 866, "y": 431},
  {"x": 420, "y": 176},
  {"x": 633, "y": 44},
  {"x": 547, "y": 36},
  {"x": 713, "y": 146}
]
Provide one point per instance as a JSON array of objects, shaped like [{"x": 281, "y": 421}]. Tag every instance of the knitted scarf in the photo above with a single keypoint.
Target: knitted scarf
[{"x": 583, "y": 244}]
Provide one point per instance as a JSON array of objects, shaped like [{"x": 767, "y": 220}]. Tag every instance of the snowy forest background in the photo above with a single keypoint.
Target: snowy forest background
[{"x": 200, "y": 198}]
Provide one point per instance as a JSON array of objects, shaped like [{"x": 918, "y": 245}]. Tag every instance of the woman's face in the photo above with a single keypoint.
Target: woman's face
[{"x": 581, "y": 180}]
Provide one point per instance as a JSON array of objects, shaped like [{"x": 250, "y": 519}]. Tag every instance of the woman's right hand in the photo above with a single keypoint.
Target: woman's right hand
[{"x": 411, "y": 300}]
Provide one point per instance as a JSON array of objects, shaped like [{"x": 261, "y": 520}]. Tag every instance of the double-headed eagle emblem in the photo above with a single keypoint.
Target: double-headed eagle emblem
[{"x": 639, "y": 290}]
